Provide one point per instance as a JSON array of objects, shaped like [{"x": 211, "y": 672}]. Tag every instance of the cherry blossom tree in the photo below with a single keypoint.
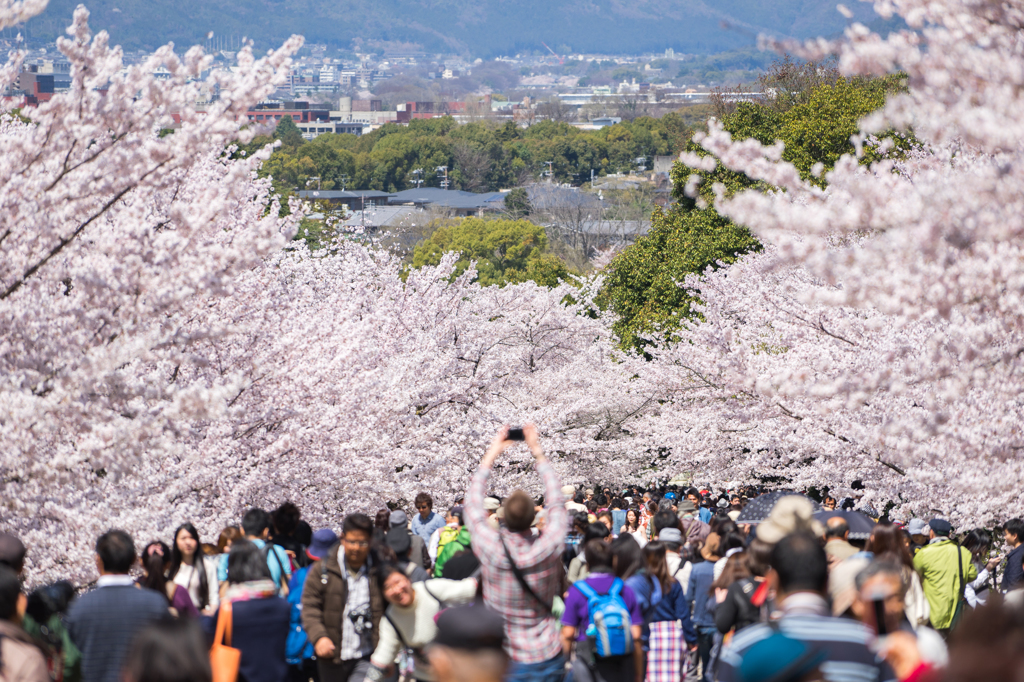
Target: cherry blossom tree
[{"x": 882, "y": 337}]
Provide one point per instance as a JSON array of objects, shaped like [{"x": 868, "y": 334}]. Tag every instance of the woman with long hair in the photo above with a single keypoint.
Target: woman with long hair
[
  {"x": 977, "y": 542},
  {"x": 886, "y": 543},
  {"x": 190, "y": 569},
  {"x": 671, "y": 632},
  {"x": 155, "y": 559}
]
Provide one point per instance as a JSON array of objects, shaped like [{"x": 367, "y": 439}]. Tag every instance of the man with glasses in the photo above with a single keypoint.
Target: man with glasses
[
  {"x": 342, "y": 604},
  {"x": 426, "y": 522}
]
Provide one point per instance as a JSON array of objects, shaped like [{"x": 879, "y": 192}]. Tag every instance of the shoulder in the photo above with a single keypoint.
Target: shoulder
[
  {"x": 744, "y": 639},
  {"x": 827, "y": 628}
]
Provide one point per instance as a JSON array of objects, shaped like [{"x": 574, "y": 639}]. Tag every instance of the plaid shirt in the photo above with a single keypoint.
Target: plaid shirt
[{"x": 533, "y": 634}]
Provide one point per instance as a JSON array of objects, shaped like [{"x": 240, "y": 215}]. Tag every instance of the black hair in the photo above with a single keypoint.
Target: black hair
[
  {"x": 580, "y": 519},
  {"x": 626, "y": 555},
  {"x": 837, "y": 528},
  {"x": 730, "y": 541},
  {"x": 155, "y": 564},
  {"x": 384, "y": 572},
  {"x": 663, "y": 520},
  {"x": 579, "y": 498},
  {"x": 1016, "y": 527},
  {"x": 285, "y": 519},
  {"x": 357, "y": 522},
  {"x": 801, "y": 563},
  {"x": 255, "y": 522},
  {"x": 10, "y": 588},
  {"x": 595, "y": 531},
  {"x": 976, "y": 540},
  {"x": 197, "y": 563},
  {"x": 116, "y": 550},
  {"x": 246, "y": 562},
  {"x": 601, "y": 500},
  {"x": 599, "y": 556},
  {"x": 169, "y": 650}
]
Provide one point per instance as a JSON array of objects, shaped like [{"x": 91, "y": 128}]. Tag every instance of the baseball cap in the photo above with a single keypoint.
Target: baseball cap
[
  {"x": 941, "y": 526},
  {"x": 917, "y": 527},
  {"x": 670, "y": 535}
]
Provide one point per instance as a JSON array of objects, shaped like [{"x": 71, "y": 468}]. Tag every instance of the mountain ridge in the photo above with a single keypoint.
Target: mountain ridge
[{"x": 485, "y": 28}]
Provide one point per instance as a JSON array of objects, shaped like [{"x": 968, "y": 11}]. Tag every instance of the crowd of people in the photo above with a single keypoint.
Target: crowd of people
[{"x": 583, "y": 585}]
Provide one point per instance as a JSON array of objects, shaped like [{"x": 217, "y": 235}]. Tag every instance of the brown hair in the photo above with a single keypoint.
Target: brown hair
[
  {"x": 229, "y": 534},
  {"x": 657, "y": 565},
  {"x": 888, "y": 539},
  {"x": 519, "y": 511},
  {"x": 735, "y": 568}
]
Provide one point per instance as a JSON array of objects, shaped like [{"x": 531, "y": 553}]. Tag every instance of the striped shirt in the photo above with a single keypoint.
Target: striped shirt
[
  {"x": 846, "y": 642},
  {"x": 533, "y": 634}
]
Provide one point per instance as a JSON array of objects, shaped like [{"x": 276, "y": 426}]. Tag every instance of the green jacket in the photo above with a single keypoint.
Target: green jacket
[
  {"x": 460, "y": 543},
  {"x": 937, "y": 565}
]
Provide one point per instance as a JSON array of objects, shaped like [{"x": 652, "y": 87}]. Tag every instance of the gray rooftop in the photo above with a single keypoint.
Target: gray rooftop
[{"x": 449, "y": 198}]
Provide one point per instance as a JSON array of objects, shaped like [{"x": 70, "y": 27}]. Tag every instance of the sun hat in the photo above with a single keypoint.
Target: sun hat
[
  {"x": 779, "y": 658},
  {"x": 686, "y": 507},
  {"x": 569, "y": 491},
  {"x": 791, "y": 514},
  {"x": 491, "y": 503},
  {"x": 398, "y": 518},
  {"x": 323, "y": 540}
]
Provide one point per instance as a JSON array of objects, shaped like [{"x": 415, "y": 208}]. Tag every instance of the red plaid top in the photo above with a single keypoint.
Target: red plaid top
[{"x": 533, "y": 634}]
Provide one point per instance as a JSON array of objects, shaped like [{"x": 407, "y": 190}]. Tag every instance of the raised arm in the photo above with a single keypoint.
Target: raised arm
[{"x": 485, "y": 539}]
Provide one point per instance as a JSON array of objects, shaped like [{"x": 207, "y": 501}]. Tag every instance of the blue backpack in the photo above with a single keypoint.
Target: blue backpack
[
  {"x": 611, "y": 627},
  {"x": 297, "y": 647}
]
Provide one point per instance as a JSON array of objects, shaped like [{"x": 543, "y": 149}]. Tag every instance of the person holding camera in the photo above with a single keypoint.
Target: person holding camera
[
  {"x": 522, "y": 572},
  {"x": 342, "y": 604}
]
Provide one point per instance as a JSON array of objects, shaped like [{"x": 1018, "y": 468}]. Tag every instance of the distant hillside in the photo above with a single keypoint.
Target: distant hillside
[{"x": 477, "y": 27}]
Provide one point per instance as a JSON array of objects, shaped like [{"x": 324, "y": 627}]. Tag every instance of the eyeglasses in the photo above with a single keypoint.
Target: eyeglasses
[{"x": 356, "y": 543}]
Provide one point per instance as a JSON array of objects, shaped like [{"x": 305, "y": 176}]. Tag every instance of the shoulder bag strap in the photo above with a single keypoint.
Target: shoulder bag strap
[
  {"x": 434, "y": 596},
  {"x": 522, "y": 578},
  {"x": 960, "y": 569},
  {"x": 224, "y": 619},
  {"x": 401, "y": 638}
]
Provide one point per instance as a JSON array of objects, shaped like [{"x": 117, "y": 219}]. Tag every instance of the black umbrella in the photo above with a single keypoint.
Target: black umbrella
[
  {"x": 758, "y": 509},
  {"x": 860, "y": 523}
]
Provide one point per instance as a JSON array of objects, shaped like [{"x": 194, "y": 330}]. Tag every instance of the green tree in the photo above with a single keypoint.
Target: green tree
[
  {"x": 288, "y": 132},
  {"x": 505, "y": 251},
  {"x": 643, "y": 284},
  {"x": 517, "y": 204}
]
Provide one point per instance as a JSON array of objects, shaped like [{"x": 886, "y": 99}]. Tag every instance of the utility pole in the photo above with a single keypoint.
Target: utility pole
[
  {"x": 550, "y": 171},
  {"x": 344, "y": 179},
  {"x": 311, "y": 178},
  {"x": 442, "y": 172},
  {"x": 418, "y": 175}
]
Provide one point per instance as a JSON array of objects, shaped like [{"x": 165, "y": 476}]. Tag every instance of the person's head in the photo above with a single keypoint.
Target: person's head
[
  {"x": 519, "y": 511},
  {"x": 883, "y": 580},
  {"x": 580, "y": 520},
  {"x": 170, "y": 650},
  {"x": 12, "y": 601},
  {"x": 888, "y": 539},
  {"x": 672, "y": 538},
  {"x": 836, "y": 528},
  {"x": 246, "y": 563},
  {"x": 226, "y": 537},
  {"x": 758, "y": 556},
  {"x": 693, "y": 495},
  {"x": 469, "y": 646},
  {"x": 599, "y": 556},
  {"x": 977, "y": 542},
  {"x": 285, "y": 519},
  {"x": 578, "y": 498},
  {"x": 256, "y": 524},
  {"x": 156, "y": 557},
  {"x": 663, "y": 520},
  {"x": 1013, "y": 532},
  {"x": 736, "y": 567},
  {"x": 627, "y": 558},
  {"x": 186, "y": 544},
  {"x": 799, "y": 564},
  {"x": 424, "y": 503},
  {"x": 356, "y": 532},
  {"x": 596, "y": 531},
  {"x": 396, "y": 586},
  {"x": 829, "y": 503},
  {"x": 12, "y": 552},
  {"x": 607, "y": 519},
  {"x": 939, "y": 528},
  {"x": 382, "y": 519},
  {"x": 655, "y": 559},
  {"x": 115, "y": 552},
  {"x": 632, "y": 519}
]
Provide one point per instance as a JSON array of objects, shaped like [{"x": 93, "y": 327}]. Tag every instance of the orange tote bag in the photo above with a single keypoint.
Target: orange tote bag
[{"x": 223, "y": 659}]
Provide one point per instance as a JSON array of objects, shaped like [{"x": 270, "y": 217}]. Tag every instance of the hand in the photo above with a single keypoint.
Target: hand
[
  {"x": 691, "y": 647},
  {"x": 992, "y": 563},
  {"x": 720, "y": 594},
  {"x": 324, "y": 648},
  {"x": 900, "y": 651},
  {"x": 533, "y": 441},
  {"x": 498, "y": 446}
]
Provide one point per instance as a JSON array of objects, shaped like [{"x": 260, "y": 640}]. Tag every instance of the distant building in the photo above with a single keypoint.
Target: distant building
[
  {"x": 314, "y": 129},
  {"x": 266, "y": 112},
  {"x": 355, "y": 199},
  {"x": 459, "y": 202}
]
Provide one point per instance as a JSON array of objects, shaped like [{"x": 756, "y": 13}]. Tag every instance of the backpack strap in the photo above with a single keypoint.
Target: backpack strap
[
  {"x": 586, "y": 590},
  {"x": 616, "y": 588}
]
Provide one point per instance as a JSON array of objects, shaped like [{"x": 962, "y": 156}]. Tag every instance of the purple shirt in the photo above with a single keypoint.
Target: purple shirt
[{"x": 577, "y": 614}]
